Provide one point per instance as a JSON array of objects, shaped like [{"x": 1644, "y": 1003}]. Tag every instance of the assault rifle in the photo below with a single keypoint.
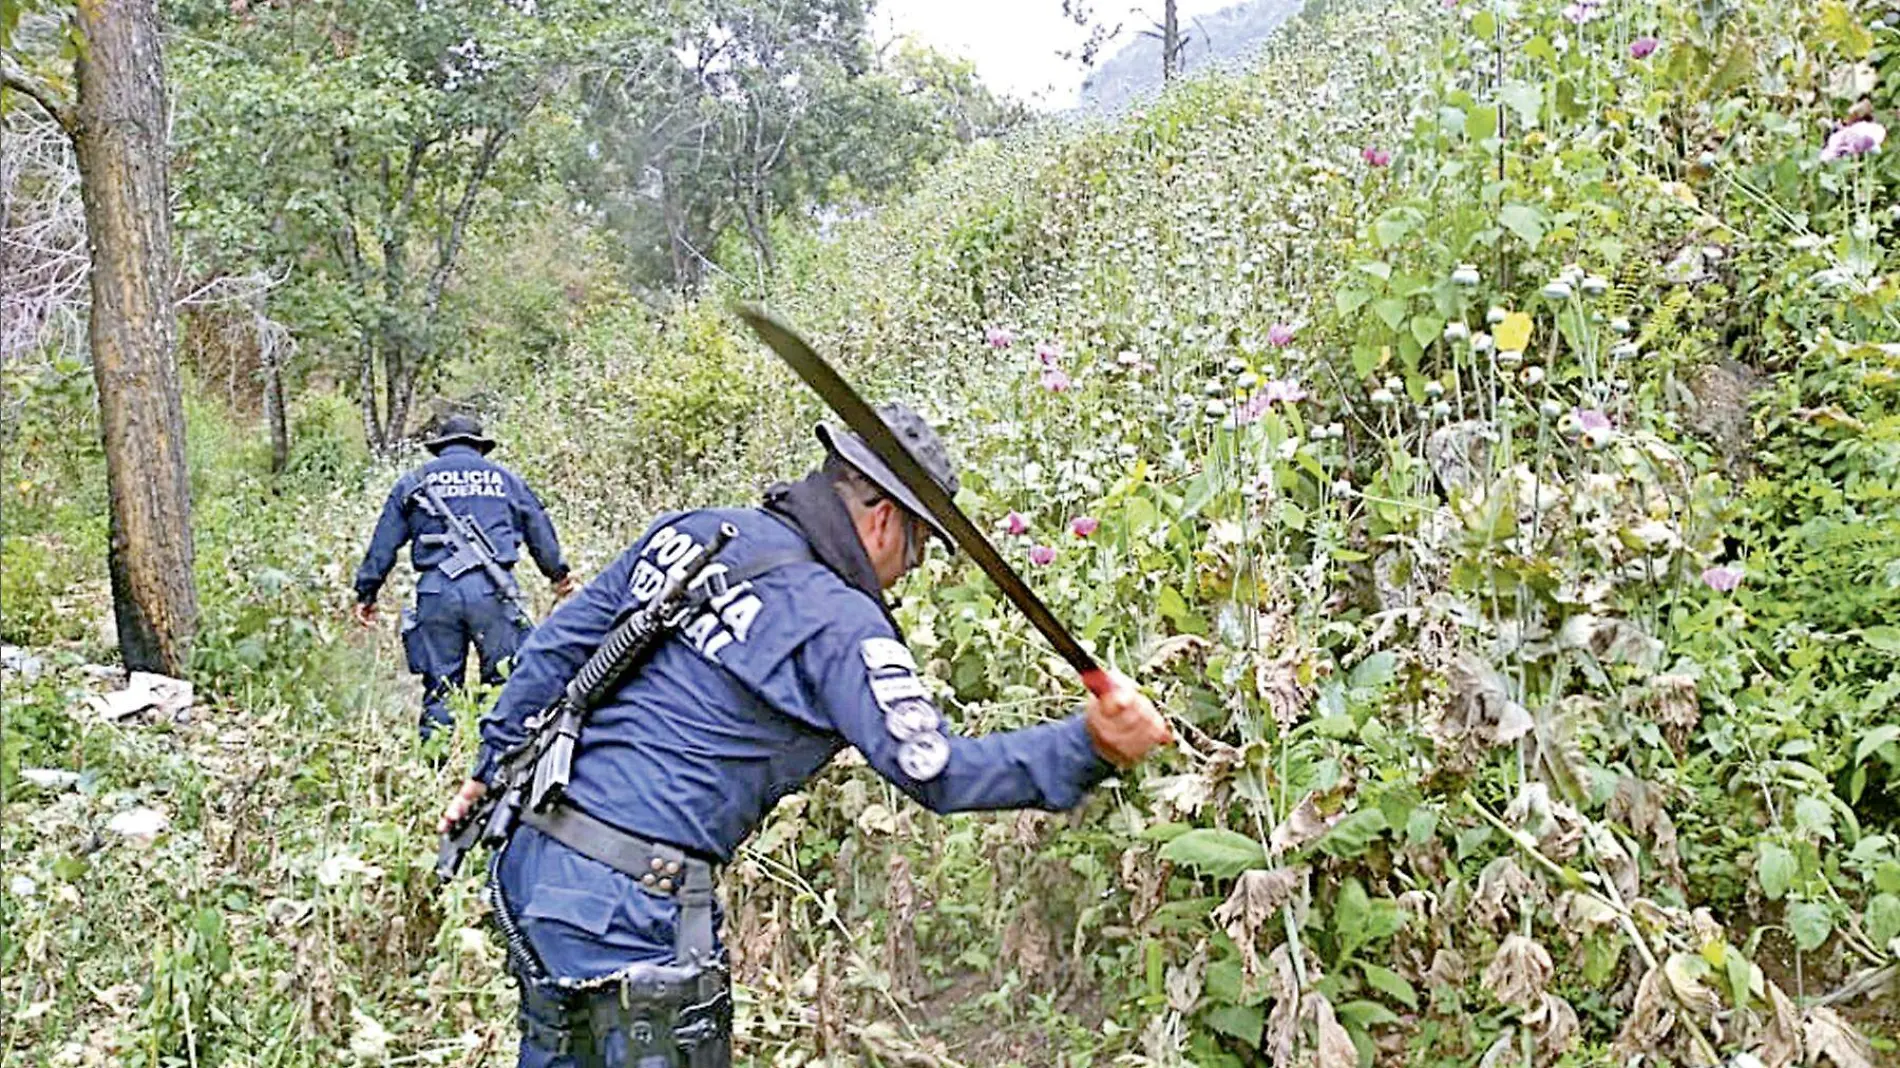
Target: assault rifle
[
  {"x": 537, "y": 771},
  {"x": 472, "y": 548}
]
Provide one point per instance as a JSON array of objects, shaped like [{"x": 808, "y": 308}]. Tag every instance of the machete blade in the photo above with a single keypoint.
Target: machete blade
[{"x": 862, "y": 418}]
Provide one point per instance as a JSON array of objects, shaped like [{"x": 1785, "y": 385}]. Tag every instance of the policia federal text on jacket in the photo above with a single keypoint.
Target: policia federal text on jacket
[{"x": 606, "y": 896}]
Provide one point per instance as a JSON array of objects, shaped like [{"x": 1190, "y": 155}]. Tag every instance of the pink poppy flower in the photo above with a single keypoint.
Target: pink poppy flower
[
  {"x": 1642, "y": 47},
  {"x": 1591, "y": 421},
  {"x": 1054, "y": 380},
  {"x": 1280, "y": 335},
  {"x": 999, "y": 337},
  {"x": 1083, "y": 525},
  {"x": 1042, "y": 555},
  {"x": 1854, "y": 139},
  {"x": 1283, "y": 391},
  {"x": 1048, "y": 352},
  {"x": 1377, "y": 157},
  {"x": 1583, "y": 11},
  {"x": 1722, "y": 578},
  {"x": 1014, "y": 523}
]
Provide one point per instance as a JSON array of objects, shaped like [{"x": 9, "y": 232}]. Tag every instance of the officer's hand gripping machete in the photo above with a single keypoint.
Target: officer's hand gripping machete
[{"x": 860, "y": 417}]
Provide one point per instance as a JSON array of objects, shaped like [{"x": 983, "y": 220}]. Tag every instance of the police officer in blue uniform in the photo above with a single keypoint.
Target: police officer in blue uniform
[
  {"x": 455, "y": 610},
  {"x": 606, "y": 899}
]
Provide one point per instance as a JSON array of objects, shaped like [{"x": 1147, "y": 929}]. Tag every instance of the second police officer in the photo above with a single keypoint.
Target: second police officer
[
  {"x": 459, "y": 601},
  {"x": 606, "y": 898}
]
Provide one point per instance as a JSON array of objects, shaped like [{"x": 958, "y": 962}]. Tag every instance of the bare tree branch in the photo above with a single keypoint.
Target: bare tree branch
[{"x": 50, "y": 99}]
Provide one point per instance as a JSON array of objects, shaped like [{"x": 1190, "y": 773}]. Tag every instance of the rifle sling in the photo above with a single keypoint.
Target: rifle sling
[{"x": 659, "y": 868}]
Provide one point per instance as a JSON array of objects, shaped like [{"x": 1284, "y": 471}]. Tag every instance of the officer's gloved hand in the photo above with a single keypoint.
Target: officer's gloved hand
[{"x": 1123, "y": 723}]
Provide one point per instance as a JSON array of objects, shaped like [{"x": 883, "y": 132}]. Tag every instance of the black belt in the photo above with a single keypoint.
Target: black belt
[{"x": 660, "y": 869}]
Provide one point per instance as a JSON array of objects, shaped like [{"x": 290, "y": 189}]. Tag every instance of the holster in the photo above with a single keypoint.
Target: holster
[{"x": 681, "y": 1013}]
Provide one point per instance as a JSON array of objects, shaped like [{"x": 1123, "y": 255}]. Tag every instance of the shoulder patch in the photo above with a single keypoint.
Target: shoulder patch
[
  {"x": 924, "y": 757},
  {"x": 885, "y": 654},
  {"x": 906, "y": 720}
]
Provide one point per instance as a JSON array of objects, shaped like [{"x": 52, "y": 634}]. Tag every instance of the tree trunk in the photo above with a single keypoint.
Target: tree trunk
[
  {"x": 1170, "y": 44},
  {"x": 121, "y": 145},
  {"x": 270, "y": 354}
]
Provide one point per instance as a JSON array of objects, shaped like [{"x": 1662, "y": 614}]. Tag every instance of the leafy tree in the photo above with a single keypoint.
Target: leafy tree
[
  {"x": 116, "y": 122},
  {"x": 748, "y": 111},
  {"x": 377, "y": 133}
]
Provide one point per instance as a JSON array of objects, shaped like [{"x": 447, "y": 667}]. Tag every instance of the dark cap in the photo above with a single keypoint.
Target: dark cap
[
  {"x": 459, "y": 430},
  {"x": 925, "y": 447}
]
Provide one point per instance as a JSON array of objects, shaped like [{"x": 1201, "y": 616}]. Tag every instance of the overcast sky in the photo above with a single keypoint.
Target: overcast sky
[{"x": 1014, "y": 42}]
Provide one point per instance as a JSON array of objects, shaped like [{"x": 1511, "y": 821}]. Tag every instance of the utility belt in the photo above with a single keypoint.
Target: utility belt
[
  {"x": 678, "y": 1014},
  {"x": 660, "y": 869}
]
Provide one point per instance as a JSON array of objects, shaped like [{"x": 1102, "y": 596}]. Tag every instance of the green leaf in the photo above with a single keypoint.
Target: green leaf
[
  {"x": 1523, "y": 220},
  {"x": 1365, "y": 359},
  {"x": 1883, "y": 918},
  {"x": 1426, "y": 328},
  {"x": 1173, "y": 606},
  {"x": 1396, "y": 224},
  {"x": 1843, "y": 29},
  {"x": 1887, "y": 877},
  {"x": 1740, "y": 975},
  {"x": 1366, "y": 1014},
  {"x": 1420, "y": 825},
  {"x": 1775, "y": 868},
  {"x": 1472, "y": 839},
  {"x": 1600, "y": 954},
  {"x": 1391, "y": 984},
  {"x": 1165, "y": 832},
  {"x": 1350, "y": 910},
  {"x": 1374, "y": 671},
  {"x": 1391, "y": 310},
  {"x": 1219, "y": 853},
  {"x": 1524, "y": 98},
  {"x": 1885, "y": 639},
  {"x": 1481, "y": 122},
  {"x": 1484, "y": 24},
  {"x": 1348, "y": 301},
  {"x": 1813, "y": 815},
  {"x": 1350, "y": 836},
  {"x": 1389, "y": 230},
  {"x": 1238, "y": 1021},
  {"x": 1810, "y": 923},
  {"x": 1224, "y": 981},
  {"x": 1199, "y": 492},
  {"x": 1141, "y": 514}
]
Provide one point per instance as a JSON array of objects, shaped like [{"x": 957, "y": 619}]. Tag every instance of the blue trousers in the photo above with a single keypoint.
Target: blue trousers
[
  {"x": 583, "y": 920},
  {"x": 450, "y": 615}
]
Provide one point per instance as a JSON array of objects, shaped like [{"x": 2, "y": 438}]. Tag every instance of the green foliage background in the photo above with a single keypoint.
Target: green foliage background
[{"x": 1477, "y": 767}]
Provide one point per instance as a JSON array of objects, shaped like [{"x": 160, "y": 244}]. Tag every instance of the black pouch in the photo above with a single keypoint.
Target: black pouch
[{"x": 680, "y": 1015}]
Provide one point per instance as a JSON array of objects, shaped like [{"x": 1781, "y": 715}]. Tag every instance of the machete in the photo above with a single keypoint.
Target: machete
[{"x": 860, "y": 417}]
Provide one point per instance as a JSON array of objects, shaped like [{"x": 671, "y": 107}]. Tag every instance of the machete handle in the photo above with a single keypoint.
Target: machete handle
[{"x": 1097, "y": 682}]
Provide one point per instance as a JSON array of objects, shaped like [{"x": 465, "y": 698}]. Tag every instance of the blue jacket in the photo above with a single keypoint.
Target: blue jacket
[
  {"x": 470, "y": 484},
  {"x": 753, "y": 697}
]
